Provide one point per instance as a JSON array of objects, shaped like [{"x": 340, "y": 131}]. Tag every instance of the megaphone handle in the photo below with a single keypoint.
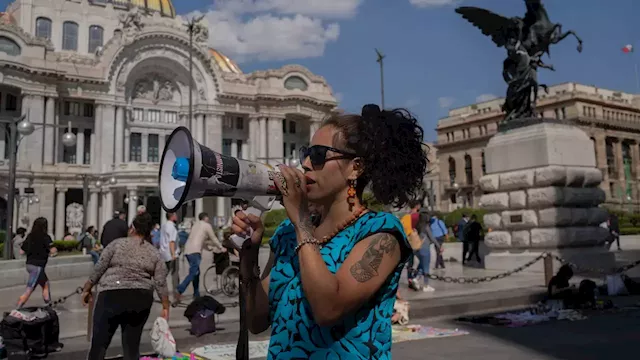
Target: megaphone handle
[{"x": 242, "y": 349}]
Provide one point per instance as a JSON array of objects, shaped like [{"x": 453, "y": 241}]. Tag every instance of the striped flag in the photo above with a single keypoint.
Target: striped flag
[{"x": 627, "y": 49}]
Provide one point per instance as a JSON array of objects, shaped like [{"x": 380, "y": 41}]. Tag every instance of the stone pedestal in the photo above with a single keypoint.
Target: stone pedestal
[{"x": 542, "y": 194}]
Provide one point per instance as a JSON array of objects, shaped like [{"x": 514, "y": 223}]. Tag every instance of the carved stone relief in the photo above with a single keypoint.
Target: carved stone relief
[{"x": 154, "y": 87}]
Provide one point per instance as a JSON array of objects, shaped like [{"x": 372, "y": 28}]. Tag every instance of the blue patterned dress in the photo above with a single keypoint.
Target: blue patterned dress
[{"x": 364, "y": 334}]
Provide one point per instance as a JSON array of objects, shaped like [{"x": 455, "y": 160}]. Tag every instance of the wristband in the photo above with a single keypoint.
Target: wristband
[{"x": 306, "y": 241}]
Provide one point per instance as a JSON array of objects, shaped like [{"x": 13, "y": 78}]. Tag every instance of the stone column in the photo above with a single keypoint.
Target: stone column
[
  {"x": 93, "y": 208},
  {"x": 254, "y": 139},
  {"x": 145, "y": 147},
  {"x": 107, "y": 207},
  {"x": 60, "y": 212},
  {"x": 30, "y": 151},
  {"x": 2, "y": 143},
  {"x": 244, "y": 150},
  {"x": 276, "y": 155},
  {"x": 127, "y": 145},
  {"x": 314, "y": 125},
  {"x": 161, "y": 145},
  {"x": 119, "y": 135},
  {"x": 213, "y": 140},
  {"x": 262, "y": 133},
  {"x": 234, "y": 148},
  {"x": 106, "y": 140},
  {"x": 57, "y": 131},
  {"x": 163, "y": 216},
  {"x": 80, "y": 147},
  {"x": 132, "y": 205},
  {"x": 220, "y": 206},
  {"x": 49, "y": 144},
  {"x": 619, "y": 163}
]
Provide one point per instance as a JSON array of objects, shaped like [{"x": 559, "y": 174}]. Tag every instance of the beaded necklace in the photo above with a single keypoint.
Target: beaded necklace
[{"x": 361, "y": 210}]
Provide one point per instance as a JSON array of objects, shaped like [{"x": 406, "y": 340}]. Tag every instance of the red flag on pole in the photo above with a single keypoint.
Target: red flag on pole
[{"x": 627, "y": 49}]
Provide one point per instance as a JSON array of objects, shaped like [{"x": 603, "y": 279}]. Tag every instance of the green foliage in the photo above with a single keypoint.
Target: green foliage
[
  {"x": 630, "y": 231},
  {"x": 3, "y": 236},
  {"x": 63, "y": 245},
  {"x": 452, "y": 218},
  {"x": 271, "y": 220},
  {"x": 371, "y": 202}
]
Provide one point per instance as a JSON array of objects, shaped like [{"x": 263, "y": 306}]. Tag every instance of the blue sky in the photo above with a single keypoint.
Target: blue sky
[{"x": 435, "y": 59}]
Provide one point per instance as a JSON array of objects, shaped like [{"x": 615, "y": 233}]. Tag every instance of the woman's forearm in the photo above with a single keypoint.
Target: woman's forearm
[{"x": 318, "y": 283}]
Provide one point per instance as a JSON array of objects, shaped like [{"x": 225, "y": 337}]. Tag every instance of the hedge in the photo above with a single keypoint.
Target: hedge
[
  {"x": 64, "y": 245},
  {"x": 630, "y": 231}
]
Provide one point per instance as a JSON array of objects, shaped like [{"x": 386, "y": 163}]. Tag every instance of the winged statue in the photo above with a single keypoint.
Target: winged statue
[{"x": 526, "y": 40}]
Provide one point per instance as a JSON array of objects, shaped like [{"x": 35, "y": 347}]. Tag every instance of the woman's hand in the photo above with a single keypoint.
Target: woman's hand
[
  {"x": 244, "y": 223},
  {"x": 87, "y": 297},
  {"x": 293, "y": 186},
  {"x": 165, "y": 314}
]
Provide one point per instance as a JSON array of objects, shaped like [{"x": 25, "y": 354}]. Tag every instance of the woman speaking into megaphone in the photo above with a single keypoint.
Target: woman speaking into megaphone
[{"x": 328, "y": 290}]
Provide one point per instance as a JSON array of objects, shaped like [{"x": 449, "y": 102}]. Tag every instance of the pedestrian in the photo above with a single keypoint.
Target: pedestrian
[
  {"x": 459, "y": 232},
  {"x": 115, "y": 228},
  {"x": 439, "y": 231},
  {"x": 141, "y": 210},
  {"x": 332, "y": 287},
  {"x": 473, "y": 235},
  {"x": 37, "y": 247},
  {"x": 614, "y": 229},
  {"x": 90, "y": 243},
  {"x": 424, "y": 254},
  {"x": 127, "y": 273},
  {"x": 155, "y": 236},
  {"x": 17, "y": 241},
  {"x": 169, "y": 249},
  {"x": 201, "y": 234},
  {"x": 409, "y": 224}
]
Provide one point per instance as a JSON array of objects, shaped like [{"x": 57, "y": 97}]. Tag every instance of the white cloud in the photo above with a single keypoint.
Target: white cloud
[
  {"x": 445, "y": 102},
  {"x": 276, "y": 29},
  {"x": 319, "y": 8},
  {"x": 433, "y": 3},
  {"x": 486, "y": 97}
]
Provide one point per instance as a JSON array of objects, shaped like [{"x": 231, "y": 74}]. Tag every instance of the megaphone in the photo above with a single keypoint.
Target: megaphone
[{"x": 190, "y": 170}]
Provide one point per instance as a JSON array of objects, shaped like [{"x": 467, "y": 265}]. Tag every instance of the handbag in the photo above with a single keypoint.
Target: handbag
[{"x": 415, "y": 241}]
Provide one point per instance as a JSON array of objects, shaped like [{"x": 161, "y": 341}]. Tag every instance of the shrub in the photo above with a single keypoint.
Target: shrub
[
  {"x": 629, "y": 230},
  {"x": 63, "y": 245},
  {"x": 3, "y": 236},
  {"x": 452, "y": 218},
  {"x": 371, "y": 202}
]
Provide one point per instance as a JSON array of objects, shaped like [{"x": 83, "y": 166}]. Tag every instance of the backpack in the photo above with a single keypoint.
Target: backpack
[{"x": 31, "y": 332}]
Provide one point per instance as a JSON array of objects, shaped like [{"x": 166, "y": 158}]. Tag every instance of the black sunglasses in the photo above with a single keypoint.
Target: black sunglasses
[{"x": 317, "y": 154}]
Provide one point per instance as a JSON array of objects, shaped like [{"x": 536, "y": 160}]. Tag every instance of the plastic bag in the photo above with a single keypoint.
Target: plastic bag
[
  {"x": 161, "y": 338},
  {"x": 616, "y": 286}
]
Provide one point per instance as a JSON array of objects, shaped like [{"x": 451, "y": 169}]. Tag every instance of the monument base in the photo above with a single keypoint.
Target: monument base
[{"x": 584, "y": 258}]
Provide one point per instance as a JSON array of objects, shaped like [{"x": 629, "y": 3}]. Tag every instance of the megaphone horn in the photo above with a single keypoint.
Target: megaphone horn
[{"x": 190, "y": 170}]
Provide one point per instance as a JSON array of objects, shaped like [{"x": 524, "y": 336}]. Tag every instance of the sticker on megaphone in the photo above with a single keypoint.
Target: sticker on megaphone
[{"x": 189, "y": 171}]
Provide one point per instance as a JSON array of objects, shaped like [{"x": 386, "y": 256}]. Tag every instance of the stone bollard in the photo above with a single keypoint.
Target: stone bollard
[{"x": 542, "y": 193}]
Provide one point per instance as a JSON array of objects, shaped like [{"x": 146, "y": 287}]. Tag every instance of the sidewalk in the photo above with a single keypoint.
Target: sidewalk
[{"x": 448, "y": 297}]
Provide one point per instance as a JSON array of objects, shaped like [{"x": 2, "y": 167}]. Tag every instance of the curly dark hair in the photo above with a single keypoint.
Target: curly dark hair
[
  {"x": 389, "y": 145},
  {"x": 143, "y": 225}
]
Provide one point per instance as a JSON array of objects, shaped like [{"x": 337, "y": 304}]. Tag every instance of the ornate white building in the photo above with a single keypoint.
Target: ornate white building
[{"x": 118, "y": 72}]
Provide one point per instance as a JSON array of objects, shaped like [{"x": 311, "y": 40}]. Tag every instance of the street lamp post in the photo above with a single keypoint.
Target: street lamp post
[
  {"x": 380, "y": 61},
  {"x": 194, "y": 28},
  {"x": 22, "y": 126}
]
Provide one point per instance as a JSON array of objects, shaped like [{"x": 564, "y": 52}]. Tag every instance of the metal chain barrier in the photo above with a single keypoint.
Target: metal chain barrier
[
  {"x": 62, "y": 300},
  {"x": 478, "y": 280},
  {"x": 615, "y": 271}
]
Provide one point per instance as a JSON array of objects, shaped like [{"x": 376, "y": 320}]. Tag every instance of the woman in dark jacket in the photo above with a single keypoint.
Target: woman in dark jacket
[{"x": 37, "y": 248}]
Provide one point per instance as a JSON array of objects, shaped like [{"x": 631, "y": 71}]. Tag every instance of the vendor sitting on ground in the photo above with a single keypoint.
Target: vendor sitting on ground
[{"x": 559, "y": 288}]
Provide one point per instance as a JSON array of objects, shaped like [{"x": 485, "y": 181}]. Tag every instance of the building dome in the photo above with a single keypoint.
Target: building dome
[
  {"x": 224, "y": 63},
  {"x": 164, "y": 7}
]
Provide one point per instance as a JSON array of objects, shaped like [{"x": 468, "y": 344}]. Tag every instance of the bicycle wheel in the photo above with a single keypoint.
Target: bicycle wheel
[
  {"x": 211, "y": 281},
  {"x": 231, "y": 281}
]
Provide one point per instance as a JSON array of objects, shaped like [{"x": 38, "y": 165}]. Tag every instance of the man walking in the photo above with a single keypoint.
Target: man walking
[
  {"x": 169, "y": 248},
  {"x": 201, "y": 233},
  {"x": 409, "y": 224},
  {"x": 473, "y": 234},
  {"x": 439, "y": 231},
  {"x": 460, "y": 230},
  {"x": 115, "y": 228}
]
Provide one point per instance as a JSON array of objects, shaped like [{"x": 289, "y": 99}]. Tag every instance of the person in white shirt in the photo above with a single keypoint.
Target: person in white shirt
[
  {"x": 201, "y": 233},
  {"x": 169, "y": 248}
]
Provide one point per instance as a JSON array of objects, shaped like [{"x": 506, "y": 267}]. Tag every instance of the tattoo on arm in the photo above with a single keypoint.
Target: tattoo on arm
[{"x": 367, "y": 267}]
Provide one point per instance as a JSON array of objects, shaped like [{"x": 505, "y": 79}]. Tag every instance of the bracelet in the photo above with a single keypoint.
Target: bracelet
[{"x": 306, "y": 241}]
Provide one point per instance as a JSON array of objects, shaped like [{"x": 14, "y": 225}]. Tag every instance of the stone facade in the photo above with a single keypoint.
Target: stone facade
[
  {"x": 611, "y": 120},
  {"x": 119, "y": 77}
]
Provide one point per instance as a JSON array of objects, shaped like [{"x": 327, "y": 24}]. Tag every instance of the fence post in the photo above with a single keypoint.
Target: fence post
[{"x": 548, "y": 269}]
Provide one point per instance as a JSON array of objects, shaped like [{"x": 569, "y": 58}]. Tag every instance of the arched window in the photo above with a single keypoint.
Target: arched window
[
  {"x": 96, "y": 37},
  {"x": 9, "y": 46},
  {"x": 484, "y": 165},
  {"x": 611, "y": 158},
  {"x": 468, "y": 169},
  {"x": 452, "y": 171},
  {"x": 69, "y": 36},
  {"x": 295, "y": 82},
  {"x": 43, "y": 28}
]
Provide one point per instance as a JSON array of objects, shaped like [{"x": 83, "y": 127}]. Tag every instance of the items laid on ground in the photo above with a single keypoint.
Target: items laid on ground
[
  {"x": 420, "y": 332},
  {"x": 30, "y": 332}
]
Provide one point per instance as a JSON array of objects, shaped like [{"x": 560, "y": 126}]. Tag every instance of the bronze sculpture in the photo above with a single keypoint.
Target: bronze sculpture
[{"x": 526, "y": 40}]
